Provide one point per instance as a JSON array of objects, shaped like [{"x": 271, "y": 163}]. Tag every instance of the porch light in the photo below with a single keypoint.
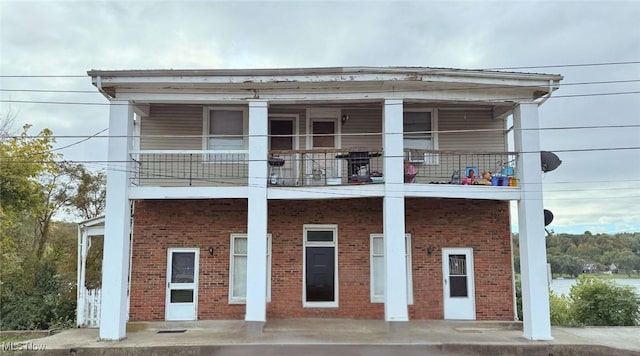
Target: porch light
[{"x": 344, "y": 118}]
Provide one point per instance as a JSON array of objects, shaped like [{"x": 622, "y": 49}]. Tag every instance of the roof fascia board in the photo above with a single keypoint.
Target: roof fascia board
[
  {"x": 293, "y": 96},
  {"x": 339, "y": 71},
  {"x": 341, "y": 80}
]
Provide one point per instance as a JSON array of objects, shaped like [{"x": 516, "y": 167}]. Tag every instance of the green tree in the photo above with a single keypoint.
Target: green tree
[
  {"x": 89, "y": 198},
  {"x": 23, "y": 160},
  {"x": 37, "y": 271},
  {"x": 626, "y": 261}
]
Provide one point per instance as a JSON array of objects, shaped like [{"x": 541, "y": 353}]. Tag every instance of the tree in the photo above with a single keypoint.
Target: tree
[
  {"x": 23, "y": 159},
  {"x": 626, "y": 261},
  {"x": 38, "y": 286},
  {"x": 90, "y": 195}
]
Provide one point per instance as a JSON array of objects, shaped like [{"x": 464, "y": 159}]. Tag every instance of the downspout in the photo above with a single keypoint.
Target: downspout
[
  {"x": 546, "y": 97},
  {"x": 79, "y": 304},
  {"x": 100, "y": 89}
]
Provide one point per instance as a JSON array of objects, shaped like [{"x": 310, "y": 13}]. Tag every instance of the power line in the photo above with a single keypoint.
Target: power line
[
  {"x": 481, "y": 69},
  {"x": 567, "y": 65},
  {"x": 560, "y": 85},
  {"x": 155, "y": 175},
  {"x": 81, "y": 141},
  {"x": 342, "y": 92},
  {"x": 50, "y": 91},
  {"x": 56, "y": 102},
  {"x": 265, "y": 160},
  {"x": 45, "y": 76},
  {"x": 328, "y": 135}
]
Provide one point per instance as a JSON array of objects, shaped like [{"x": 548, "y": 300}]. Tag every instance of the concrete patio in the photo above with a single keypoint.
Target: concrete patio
[{"x": 355, "y": 337}]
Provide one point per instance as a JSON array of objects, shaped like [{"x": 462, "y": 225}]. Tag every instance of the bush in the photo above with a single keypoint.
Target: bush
[
  {"x": 602, "y": 303},
  {"x": 561, "y": 311},
  {"x": 519, "y": 296},
  {"x": 35, "y": 305}
]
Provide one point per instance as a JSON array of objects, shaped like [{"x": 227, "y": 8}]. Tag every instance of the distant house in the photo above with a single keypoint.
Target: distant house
[
  {"x": 589, "y": 268},
  {"x": 613, "y": 268},
  {"x": 261, "y": 194}
]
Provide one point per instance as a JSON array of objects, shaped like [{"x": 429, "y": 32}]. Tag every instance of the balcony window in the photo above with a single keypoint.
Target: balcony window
[
  {"x": 224, "y": 131},
  {"x": 418, "y": 128}
]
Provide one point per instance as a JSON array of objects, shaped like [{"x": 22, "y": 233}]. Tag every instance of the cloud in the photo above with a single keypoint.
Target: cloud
[{"x": 594, "y": 188}]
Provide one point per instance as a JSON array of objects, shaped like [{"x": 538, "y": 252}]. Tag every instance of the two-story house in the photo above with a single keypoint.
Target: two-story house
[{"x": 370, "y": 193}]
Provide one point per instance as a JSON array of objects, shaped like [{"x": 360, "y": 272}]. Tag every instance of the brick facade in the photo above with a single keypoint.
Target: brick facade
[{"x": 480, "y": 224}]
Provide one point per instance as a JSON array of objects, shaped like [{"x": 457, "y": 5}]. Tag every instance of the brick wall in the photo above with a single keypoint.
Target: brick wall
[{"x": 481, "y": 225}]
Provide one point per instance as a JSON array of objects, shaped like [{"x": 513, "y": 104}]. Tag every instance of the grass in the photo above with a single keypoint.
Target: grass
[
  {"x": 15, "y": 338},
  {"x": 601, "y": 276}
]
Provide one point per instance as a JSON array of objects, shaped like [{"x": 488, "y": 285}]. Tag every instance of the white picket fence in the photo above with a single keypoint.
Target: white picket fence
[{"x": 92, "y": 298}]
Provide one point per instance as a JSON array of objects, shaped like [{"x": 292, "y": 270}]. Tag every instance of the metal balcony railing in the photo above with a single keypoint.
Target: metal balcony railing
[
  {"x": 317, "y": 167},
  {"x": 182, "y": 168},
  {"x": 452, "y": 167},
  {"x": 358, "y": 165}
]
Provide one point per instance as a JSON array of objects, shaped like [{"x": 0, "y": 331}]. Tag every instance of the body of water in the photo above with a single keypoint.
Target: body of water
[{"x": 563, "y": 286}]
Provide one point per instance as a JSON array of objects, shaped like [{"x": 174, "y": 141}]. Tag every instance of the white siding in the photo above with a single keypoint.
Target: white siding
[
  {"x": 172, "y": 120},
  {"x": 361, "y": 132},
  {"x": 184, "y": 169},
  {"x": 362, "y": 121},
  {"x": 480, "y": 141}
]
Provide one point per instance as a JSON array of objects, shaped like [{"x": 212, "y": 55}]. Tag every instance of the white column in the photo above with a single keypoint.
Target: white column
[
  {"x": 533, "y": 254},
  {"x": 115, "y": 261},
  {"x": 395, "y": 287},
  {"x": 257, "y": 213}
]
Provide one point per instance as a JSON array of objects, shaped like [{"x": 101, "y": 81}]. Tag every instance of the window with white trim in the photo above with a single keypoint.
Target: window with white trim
[
  {"x": 377, "y": 268},
  {"x": 224, "y": 131},
  {"x": 238, "y": 269},
  {"x": 418, "y": 127}
]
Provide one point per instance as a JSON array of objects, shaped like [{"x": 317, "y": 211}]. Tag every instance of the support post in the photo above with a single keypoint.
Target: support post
[
  {"x": 533, "y": 254},
  {"x": 257, "y": 218},
  {"x": 115, "y": 261},
  {"x": 395, "y": 286}
]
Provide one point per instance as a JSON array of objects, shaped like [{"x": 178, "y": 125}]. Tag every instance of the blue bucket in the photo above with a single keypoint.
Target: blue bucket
[{"x": 507, "y": 171}]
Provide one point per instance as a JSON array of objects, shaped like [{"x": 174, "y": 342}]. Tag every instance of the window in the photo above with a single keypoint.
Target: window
[
  {"x": 281, "y": 135},
  {"x": 418, "y": 127},
  {"x": 224, "y": 130},
  {"x": 377, "y": 268},
  {"x": 238, "y": 269},
  {"x": 323, "y": 134},
  {"x": 320, "y": 278}
]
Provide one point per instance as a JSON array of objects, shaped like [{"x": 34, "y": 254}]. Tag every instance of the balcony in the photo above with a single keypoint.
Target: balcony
[{"x": 318, "y": 167}]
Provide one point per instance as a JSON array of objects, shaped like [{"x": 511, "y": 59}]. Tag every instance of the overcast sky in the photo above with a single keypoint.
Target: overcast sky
[{"x": 592, "y": 190}]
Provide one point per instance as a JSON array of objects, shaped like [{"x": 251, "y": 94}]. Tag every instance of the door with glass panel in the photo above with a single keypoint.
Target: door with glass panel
[
  {"x": 182, "y": 284},
  {"x": 458, "y": 283},
  {"x": 282, "y": 136},
  {"x": 323, "y": 138},
  {"x": 320, "y": 282}
]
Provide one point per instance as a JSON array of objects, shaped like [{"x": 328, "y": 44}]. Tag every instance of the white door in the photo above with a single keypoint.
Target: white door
[
  {"x": 459, "y": 292},
  {"x": 182, "y": 284}
]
